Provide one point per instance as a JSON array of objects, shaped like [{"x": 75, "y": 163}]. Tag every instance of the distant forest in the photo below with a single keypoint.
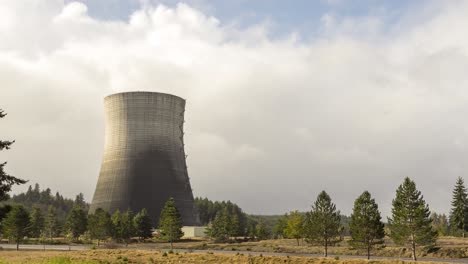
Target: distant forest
[{"x": 34, "y": 197}]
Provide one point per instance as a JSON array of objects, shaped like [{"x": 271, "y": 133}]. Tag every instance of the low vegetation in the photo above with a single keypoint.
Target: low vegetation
[{"x": 137, "y": 256}]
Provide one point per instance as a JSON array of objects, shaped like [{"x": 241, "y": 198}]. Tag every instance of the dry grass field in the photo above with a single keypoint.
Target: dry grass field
[
  {"x": 141, "y": 256},
  {"x": 446, "y": 247}
]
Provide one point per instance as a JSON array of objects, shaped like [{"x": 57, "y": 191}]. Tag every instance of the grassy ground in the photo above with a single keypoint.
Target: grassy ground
[
  {"x": 139, "y": 256},
  {"x": 447, "y": 247}
]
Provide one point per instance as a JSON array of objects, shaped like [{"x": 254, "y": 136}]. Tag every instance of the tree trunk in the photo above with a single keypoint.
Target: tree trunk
[
  {"x": 326, "y": 248},
  {"x": 368, "y": 252},
  {"x": 297, "y": 239},
  {"x": 413, "y": 245},
  {"x": 17, "y": 245},
  {"x": 171, "y": 245}
]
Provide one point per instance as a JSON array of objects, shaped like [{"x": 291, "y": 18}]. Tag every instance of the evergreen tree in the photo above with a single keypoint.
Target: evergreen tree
[
  {"x": 79, "y": 200},
  {"x": 116, "y": 226},
  {"x": 142, "y": 224},
  {"x": 4, "y": 210},
  {"x": 234, "y": 227},
  {"x": 295, "y": 226},
  {"x": 6, "y": 181},
  {"x": 76, "y": 222},
  {"x": 127, "y": 228},
  {"x": 51, "y": 224},
  {"x": 323, "y": 222},
  {"x": 16, "y": 224},
  {"x": 99, "y": 225},
  {"x": 410, "y": 223},
  {"x": 170, "y": 222},
  {"x": 37, "y": 222},
  {"x": 219, "y": 229},
  {"x": 208, "y": 210},
  {"x": 366, "y": 227},
  {"x": 458, "y": 214}
]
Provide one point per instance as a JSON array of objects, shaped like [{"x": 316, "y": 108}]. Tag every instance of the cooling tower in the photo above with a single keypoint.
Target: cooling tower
[{"x": 144, "y": 158}]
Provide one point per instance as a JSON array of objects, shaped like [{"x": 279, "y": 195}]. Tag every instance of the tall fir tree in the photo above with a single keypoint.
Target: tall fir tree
[
  {"x": 323, "y": 222},
  {"x": 76, "y": 222},
  {"x": 116, "y": 219},
  {"x": 37, "y": 222},
  {"x": 127, "y": 228},
  {"x": 410, "y": 223},
  {"x": 79, "y": 200},
  {"x": 99, "y": 225},
  {"x": 458, "y": 213},
  {"x": 295, "y": 226},
  {"x": 16, "y": 224},
  {"x": 219, "y": 228},
  {"x": 6, "y": 181},
  {"x": 51, "y": 223},
  {"x": 143, "y": 225},
  {"x": 234, "y": 227},
  {"x": 366, "y": 227},
  {"x": 170, "y": 222}
]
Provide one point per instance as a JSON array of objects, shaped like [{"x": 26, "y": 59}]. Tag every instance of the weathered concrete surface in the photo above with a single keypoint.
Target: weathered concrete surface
[{"x": 144, "y": 158}]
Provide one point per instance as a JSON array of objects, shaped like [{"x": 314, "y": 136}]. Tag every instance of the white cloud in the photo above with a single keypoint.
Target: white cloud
[{"x": 270, "y": 123}]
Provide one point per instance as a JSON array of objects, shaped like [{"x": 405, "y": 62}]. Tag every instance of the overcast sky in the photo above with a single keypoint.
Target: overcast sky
[{"x": 283, "y": 100}]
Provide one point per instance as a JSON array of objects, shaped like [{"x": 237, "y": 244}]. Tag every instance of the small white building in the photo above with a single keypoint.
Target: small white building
[{"x": 194, "y": 231}]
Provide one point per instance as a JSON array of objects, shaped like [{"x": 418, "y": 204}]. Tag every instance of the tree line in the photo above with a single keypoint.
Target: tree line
[
  {"x": 42, "y": 199},
  {"x": 226, "y": 220},
  {"x": 99, "y": 226}
]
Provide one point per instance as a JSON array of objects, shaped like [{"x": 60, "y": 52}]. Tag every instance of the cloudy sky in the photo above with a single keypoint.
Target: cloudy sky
[{"x": 284, "y": 98}]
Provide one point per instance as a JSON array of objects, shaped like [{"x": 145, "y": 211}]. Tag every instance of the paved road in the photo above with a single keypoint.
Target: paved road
[{"x": 146, "y": 247}]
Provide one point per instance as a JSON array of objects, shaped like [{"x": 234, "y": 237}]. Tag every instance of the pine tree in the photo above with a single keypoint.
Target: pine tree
[
  {"x": 79, "y": 200},
  {"x": 410, "y": 223},
  {"x": 116, "y": 225},
  {"x": 6, "y": 181},
  {"x": 127, "y": 228},
  {"x": 51, "y": 224},
  {"x": 142, "y": 224},
  {"x": 37, "y": 222},
  {"x": 234, "y": 227},
  {"x": 458, "y": 214},
  {"x": 16, "y": 225},
  {"x": 366, "y": 227},
  {"x": 323, "y": 222},
  {"x": 295, "y": 226},
  {"x": 99, "y": 225},
  {"x": 76, "y": 222},
  {"x": 170, "y": 222},
  {"x": 219, "y": 228}
]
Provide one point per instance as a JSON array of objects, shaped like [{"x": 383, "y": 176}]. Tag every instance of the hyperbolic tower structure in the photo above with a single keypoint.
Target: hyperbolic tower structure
[{"x": 144, "y": 161}]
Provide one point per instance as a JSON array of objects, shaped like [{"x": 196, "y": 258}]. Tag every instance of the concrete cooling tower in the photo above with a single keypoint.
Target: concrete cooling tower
[{"x": 144, "y": 158}]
